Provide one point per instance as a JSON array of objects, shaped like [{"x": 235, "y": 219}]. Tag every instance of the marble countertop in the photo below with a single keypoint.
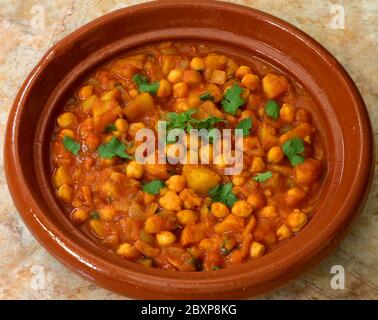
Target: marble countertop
[{"x": 348, "y": 29}]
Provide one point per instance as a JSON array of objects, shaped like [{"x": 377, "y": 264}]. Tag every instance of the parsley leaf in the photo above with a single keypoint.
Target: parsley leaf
[
  {"x": 206, "y": 96},
  {"x": 95, "y": 215},
  {"x": 110, "y": 127},
  {"x": 144, "y": 85},
  {"x": 232, "y": 100},
  {"x": 71, "y": 145},
  {"x": 208, "y": 123},
  {"x": 272, "y": 109},
  {"x": 292, "y": 149},
  {"x": 185, "y": 121},
  {"x": 261, "y": 177},
  {"x": 153, "y": 187},
  {"x": 224, "y": 194},
  {"x": 113, "y": 148},
  {"x": 214, "y": 268},
  {"x": 246, "y": 125}
]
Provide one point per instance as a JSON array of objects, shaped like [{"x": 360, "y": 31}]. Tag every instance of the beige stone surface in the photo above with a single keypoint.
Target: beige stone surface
[{"x": 29, "y": 27}]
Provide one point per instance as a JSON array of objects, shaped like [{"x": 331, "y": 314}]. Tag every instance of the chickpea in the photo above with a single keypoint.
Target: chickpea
[
  {"x": 197, "y": 64},
  {"x": 134, "y": 170},
  {"x": 190, "y": 199},
  {"x": 257, "y": 165},
  {"x": 257, "y": 200},
  {"x": 256, "y": 250},
  {"x": 165, "y": 238},
  {"x": 176, "y": 183},
  {"x": 85, "y": 92},
  {"x": 287, "y": 113},
  {"x": 79, "y": 216},
  {"x": 66, "y": 120},
  {"x": 107, "y": 213},
  {"x": 295, "y": 196},
  {"x": 269, "y": 212},
  {"x": 171, "y": 201},
  {"x": 98, "y": 228},
  {"x": 192, "y": 77},
  {"x": 283, "y": 232},
  {"x": 134, "y": 93},
  {"x": 242, "y": 208},
  {"x": 165, "y": 89},
  {"x": 219, "y": 210},
  {"x": 175, "y": 76},
  {"x": 65, "y": 193},
  {"x": 186, "y": 217},
  {"x": 134, "y": 127},
  {"x": 182, "y": 106},
  {"x": 180, "y": 90},
  {"x": 215, "y": 92},
  {"x": 92, "y": 141},
  {"x": 296, "y": 220},
  {"x": 126, "y": 250},
  {"x": 62, "y": 176},
  {"x": 275, "y": 155},
  {"x": 238, "y": 180},
  {"x": 67, "y": 133},
  {"x": 194, "y": 100},
  {"x": 242, "y": 71},
  {"x": 121, "y": 125},
  {"x": 250, "y": 81}
]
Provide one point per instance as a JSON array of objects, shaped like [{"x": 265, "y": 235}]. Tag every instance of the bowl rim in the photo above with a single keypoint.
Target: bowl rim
[{"x": 80, "y": 261}]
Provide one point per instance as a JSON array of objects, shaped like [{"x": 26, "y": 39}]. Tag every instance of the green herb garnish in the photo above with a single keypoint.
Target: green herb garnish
[
  {"x": 232, "y": 100},
  {"x": 214, "y": 268},
  {"x": 95, "y": 215},
  {"x": 245, "y": 125},
  {"x": 153, "y": 187},
  {"x": 110, "y": 127},
  {"x": 114, "y": 148},
  {"x": 206, "y": 96},
  {"x": 186, "y": 122},
  {"x": 71, "y": 145},
  {"x": 261, "y": 177},
  {"x": 293, "y": 149},
  {"x": 272, "y": 109},
  {"x": 144, "y": 85},
  {"x": 223, "y": 193}
]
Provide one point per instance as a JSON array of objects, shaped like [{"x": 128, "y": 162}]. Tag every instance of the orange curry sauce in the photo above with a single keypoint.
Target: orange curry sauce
[{"x": 187, "y": 217}]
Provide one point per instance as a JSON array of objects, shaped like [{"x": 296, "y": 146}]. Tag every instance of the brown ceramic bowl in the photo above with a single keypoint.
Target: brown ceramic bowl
[{"x": 341, "y": 114}]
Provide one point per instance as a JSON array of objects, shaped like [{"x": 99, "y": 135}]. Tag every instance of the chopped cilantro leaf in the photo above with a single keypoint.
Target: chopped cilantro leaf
[
  {"x": 206, "y": 96},
  {"x": 293, "y": 149},
  {"x": 223, "y": 193},
  {"x": 71, "y": 145},
  {"x": 144, "y": 85},
  {"x": 272, "y": 109},
  {"x": 261, "y": 177},
  {"x": 153, "y": 187},
  {"x": 232, "y": 100},
  {"x": 245, "y": 125},
  {"x": 113, "y": 148}
]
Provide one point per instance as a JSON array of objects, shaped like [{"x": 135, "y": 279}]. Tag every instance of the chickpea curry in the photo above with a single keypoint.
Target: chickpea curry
[{"x": 188, "y": 217}]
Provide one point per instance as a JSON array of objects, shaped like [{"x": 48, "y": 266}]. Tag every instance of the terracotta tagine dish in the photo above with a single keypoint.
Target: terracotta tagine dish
[{"x": 164, "y": 231}]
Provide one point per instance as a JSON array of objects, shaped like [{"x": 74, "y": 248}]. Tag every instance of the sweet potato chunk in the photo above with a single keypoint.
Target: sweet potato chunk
[
  {"x": 274, "y": 85},
  {"x": 192, "y": 233},
  {"x": 138, "y": 108},
  {"x": 230, "y": 223},
  {"x": 201, "y": 179},
  {"x": 307, "y": 172}
]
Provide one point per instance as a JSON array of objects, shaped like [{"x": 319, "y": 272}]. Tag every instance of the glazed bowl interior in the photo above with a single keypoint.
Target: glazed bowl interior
[{"x": 340, "y": 115}]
